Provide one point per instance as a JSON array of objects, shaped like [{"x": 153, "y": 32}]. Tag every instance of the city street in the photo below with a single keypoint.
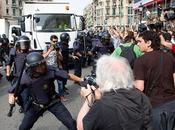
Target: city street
[{"x": 47, "y": 121}]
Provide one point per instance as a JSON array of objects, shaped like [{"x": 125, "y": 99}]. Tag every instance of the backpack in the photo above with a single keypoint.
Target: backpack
[{"x": 129, "y": 54}]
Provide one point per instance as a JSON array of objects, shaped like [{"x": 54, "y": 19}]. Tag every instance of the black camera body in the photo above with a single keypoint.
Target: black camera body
[
  {"x": 89, "y": 80},
  {"x": 170, "y": 13}
]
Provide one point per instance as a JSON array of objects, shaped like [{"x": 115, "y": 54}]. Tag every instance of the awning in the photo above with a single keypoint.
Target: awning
[
  {"x": 152, "y": 2},
  {"x": 145, "y": 3}
]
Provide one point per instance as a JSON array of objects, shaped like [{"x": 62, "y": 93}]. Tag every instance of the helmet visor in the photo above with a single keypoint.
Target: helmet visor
[{"x": 25, "y": 45}]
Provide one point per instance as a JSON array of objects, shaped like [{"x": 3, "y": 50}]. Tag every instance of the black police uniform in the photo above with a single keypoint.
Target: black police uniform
[
  {"x": 101, "y": 49},
  {"x": 43, "y": 97},
  {"x": 88, "y": 40},
  {"x": 78, "y": 47},
  {"x": 64, "y": 46},
  {"x": 16, "y": 60}
]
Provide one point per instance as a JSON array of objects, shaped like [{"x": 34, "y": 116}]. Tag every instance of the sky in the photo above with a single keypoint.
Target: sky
[{"x": 77, "y": 5}]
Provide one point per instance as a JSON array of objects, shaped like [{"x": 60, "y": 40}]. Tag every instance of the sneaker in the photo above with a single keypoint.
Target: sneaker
[
  {"x": 65, "y": 88},
  {"x": 1, "y": 76},
  {"x": 63, "y": 99},
  {"x": 66, "y": 93}
]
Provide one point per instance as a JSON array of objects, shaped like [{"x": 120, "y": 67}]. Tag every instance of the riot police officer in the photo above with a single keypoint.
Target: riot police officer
[
  {"x": 105, "y": 46},
  {"x": 64, "y": 48},
  {"x": 14, "y": 65},
  {"x": 39, "y": 79},
  {"x": 89, "y": 41},
  {"x": 5, "y": 43},
  {"x": 79, "y": 53},
  {"x": 142, "y": 27}
]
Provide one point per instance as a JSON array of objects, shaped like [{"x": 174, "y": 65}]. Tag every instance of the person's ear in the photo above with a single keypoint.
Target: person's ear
[{"x": 149, "y": 43}]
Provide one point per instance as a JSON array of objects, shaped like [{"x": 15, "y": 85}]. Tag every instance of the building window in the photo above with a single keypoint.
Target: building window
[
  {"x": 98, "y": 12},
  {"x": 20, "y": 12},
  {"x": 13, "y": 2},
  {"x": 120, "y": 9},
  {"x": 7, "y": 11},
  {"x": 130, "y": 20},
  {"x": 14, "y": 12},
  {"x": 107, "y": 11},
  {"x": 129, "y": 10},
  {"x": 7, "y": 2},
  {"x": 107, "y": 3},
  {"x": 20, "y": 3},
  {"x": 113, "y": 11}
]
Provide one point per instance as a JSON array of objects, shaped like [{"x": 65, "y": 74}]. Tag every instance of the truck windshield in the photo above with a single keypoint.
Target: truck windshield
[{"x": 54, "y": 22}]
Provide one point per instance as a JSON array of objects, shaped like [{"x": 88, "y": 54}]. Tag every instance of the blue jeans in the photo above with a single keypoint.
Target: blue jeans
[
  {"x": 60, "y": 88},
  {"x": 164, "y": 116},
  {"x": 58, "y": 109}
]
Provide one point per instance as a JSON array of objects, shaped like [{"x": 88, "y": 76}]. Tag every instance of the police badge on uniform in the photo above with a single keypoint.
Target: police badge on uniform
[{"x": 45, "y": 87}]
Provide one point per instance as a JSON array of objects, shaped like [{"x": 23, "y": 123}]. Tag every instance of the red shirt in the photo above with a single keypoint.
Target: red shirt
[{"x": 173, "y": 48}]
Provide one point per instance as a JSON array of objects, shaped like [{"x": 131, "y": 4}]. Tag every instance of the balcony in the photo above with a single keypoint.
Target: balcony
[{"x": 14, "y": 5}]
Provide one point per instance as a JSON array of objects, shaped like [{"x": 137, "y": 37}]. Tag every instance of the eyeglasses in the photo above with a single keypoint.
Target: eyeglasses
[{"x": 55, "y": 41}]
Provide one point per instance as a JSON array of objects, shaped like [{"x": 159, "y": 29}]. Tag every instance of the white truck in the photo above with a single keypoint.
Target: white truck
[
  {"x": 6, "y": 28},
  {"x": 40, "y": 20}
]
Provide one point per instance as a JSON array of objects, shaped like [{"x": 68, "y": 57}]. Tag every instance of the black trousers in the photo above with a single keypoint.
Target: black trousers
[
  {"x": 58, "y": 109},
  {"x": 78, "y": 67}
]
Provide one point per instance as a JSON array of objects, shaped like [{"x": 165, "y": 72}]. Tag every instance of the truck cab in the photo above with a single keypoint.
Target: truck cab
[{"x": 43, "y": 19}]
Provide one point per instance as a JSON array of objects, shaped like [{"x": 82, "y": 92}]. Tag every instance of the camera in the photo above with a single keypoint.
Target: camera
[
  {"x": 89, "y": 80},
  {"x": 169, "y": 13}
]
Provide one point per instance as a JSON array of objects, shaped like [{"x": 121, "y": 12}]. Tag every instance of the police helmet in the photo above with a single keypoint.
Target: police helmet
[
  {"x": 4, "y": 36},
  {"x": 64, "y": 37},
  {"x": 142, "y": 27},
  {"x": 80, "y": 35},
  {"x": 23, "y": 42},
  {"x": 90, "y": 33},
  {"x": 34, "y": 58},
  {"x": 105, "y": 38},
  {"x": 100, "y": 35}
]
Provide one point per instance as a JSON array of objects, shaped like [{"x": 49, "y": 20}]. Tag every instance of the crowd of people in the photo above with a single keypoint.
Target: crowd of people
[{"x": 134, "y": 72}]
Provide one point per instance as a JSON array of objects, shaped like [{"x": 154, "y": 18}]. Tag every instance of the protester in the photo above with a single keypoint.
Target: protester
[
  {"x": 155, "y": 75},
  {"x": 128, "y": 49},
  {"x": 116, "y": 104},
  {"x": 52, "y": 54}
]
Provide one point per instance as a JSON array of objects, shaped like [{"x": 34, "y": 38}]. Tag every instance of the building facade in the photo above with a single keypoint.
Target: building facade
[
  {"x": 88, "y": 14},
  {"x": 111, "y": 12},
  {"x": 11, "y": 10},
  {"x": 150, "y": 6}
]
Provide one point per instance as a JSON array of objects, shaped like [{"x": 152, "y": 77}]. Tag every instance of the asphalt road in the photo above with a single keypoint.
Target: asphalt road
[{"x": 47, "y": 121}]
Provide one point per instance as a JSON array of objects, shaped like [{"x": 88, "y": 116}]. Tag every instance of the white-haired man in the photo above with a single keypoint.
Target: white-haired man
[{"x": 116, "y": 104}]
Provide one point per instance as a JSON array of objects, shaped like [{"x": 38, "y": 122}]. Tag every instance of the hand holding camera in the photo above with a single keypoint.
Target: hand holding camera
[{"x": 88, "y": 80}]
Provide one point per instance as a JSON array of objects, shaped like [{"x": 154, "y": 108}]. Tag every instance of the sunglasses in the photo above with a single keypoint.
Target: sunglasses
[{"x": 55, "y": 41}]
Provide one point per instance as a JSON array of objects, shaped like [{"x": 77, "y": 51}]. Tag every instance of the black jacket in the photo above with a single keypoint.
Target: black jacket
[{"x": 120, "y": 110}]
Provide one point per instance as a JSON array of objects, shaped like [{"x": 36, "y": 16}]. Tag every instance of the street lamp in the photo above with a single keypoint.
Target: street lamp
[{"x": 140, "y": 11}]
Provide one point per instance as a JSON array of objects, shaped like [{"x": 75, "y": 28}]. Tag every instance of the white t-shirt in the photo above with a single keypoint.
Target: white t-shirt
[{"x": 51, "y": 59}]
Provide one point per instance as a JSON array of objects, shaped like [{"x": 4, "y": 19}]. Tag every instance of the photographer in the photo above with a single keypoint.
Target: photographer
[
  {"x": 53, "y": 56},
  {"x": 52, "y": 53},
  {"x": 116, "y": 104}
]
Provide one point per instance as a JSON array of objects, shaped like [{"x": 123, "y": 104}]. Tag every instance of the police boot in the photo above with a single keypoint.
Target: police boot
[{"x": 21, "y": 110}]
